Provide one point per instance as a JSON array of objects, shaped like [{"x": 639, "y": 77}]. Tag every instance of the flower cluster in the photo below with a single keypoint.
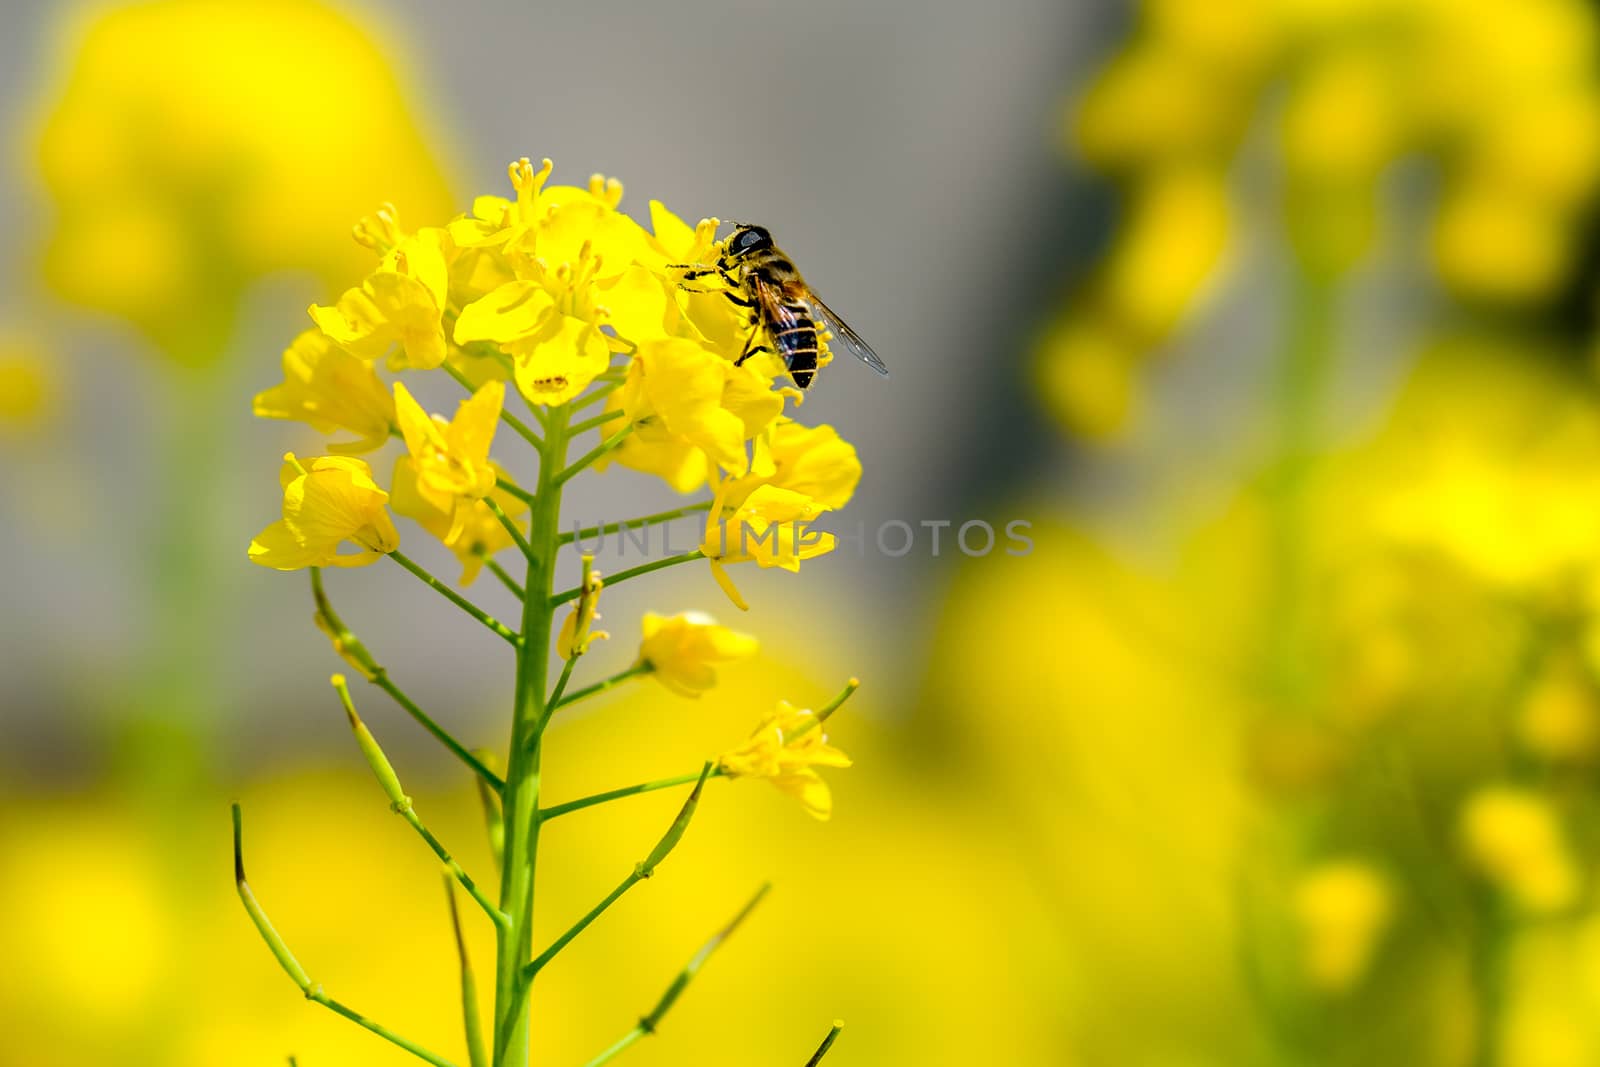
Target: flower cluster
[
  {"x": 567, "y": 300},
  {"x": 539, "y": 307}
]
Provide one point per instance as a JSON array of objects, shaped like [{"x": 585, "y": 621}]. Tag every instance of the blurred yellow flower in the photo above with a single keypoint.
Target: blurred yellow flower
[
  {"x": 27, "y": 390},
  {"x": 1514, "y": 837},
  {"x": 681, "y": 649},
  {"x": 786, "y": 749},
  {"x": 1173, "y": 240},
  {"x": 1343, "y": 909},
  {"x": 1499, "y": 99},
  {"x": 331, "y": 390},
  {"x": 450, "y": 459},
  {"x": 1559, "y": 719},
  {"x": 470, "y": 531},
  {"x": 185, "y": 156},
  {"x": 326, "y": 503}
]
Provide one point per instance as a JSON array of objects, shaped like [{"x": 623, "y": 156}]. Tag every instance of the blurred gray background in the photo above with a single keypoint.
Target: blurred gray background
[{"x": 906, "y": 154}]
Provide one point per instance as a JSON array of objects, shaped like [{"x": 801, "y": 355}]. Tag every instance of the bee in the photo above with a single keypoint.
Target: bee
[{"x": 761, "y": 278}]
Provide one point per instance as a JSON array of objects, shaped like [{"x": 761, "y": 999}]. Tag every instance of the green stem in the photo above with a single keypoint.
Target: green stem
[
  {"x": 455, "y": 598},
  {"x": 1490, "y": 964},
  {"x": 645, "y": 868},
  {"x": 561, "y": 683},
  {"x": 827, "y": 1043},
  {"x": 477, "y": 1055},
  {"x": 632, "y": 572},
  {"x": 635, "y": 671},
  {"x": 504, "y": 576},
  {"x": 627, "y": 791},
  {"x": 356, "y": 654},
  {"x": 1300, "y": 393},
  {"x": 514, "y": 489},
  {"x": 635, "y": 524},
  {"x": 523, "y": 779},
  {"x": 291, "y": 966},
  {"x": 651, "y": 1020},
  {"x": 598, "y": 420},
  {"x": 384, "y": 682},
  {"x": 512, "y": 528},
  {"x": 606, "y": 387},
  {"x": 583, "y": 461},
  {"x": 495, "y": 915}
]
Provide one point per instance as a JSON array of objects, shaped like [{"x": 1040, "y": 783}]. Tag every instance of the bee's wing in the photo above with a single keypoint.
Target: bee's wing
[{"x": 842, "y": 332}]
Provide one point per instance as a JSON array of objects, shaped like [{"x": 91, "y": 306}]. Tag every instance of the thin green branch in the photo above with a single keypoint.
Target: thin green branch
[
  {"x": 355, "y": 653},
  {"x": 635, "y": 524},
  {"x": 827, "y": 1043},
  {"x": 493, "y": 624},
  {"x": 608, "y": 385},
  {"x": 648, "y": 1023},
  {"x": 477, "y": 1055},
  {"x": 495, "y": 915},
  {"x": 485, "y": 775},
  {"x": 637, "y": 670},
  {"x": 632, "y": 572},
  {"x": 627, "y": 791},
  {"x": 641, "y": 870},
  {"x": 504, "y": 577},
  {"x": 514, "y": 489},
  {"x": 511, "y": 528},
  {"x": 522, "y": 429},
  {"x": 384, "y": 771},
  {"x": 561, "y": 683},
  {"x": 595, "y": 453},
  {"x": 598, "y": 420},
  {"x": 291, "y": 966}
]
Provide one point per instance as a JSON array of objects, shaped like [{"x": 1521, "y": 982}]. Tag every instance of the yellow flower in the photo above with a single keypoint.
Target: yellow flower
[
  {"x": 681, "y": 650},
  {"x": 329, "y": 502},
  {"x": 470, "y": 531},
  {"x": 812, "y": 460},
  {"x": 1343, "y": 909},
  {"x": 179, "y": 145},
  {"x": 401, "y": 303},
  {"x": 683, "y": 395},
  {"x": 786, "y": 749},
  {"x": 1514, "y": 837},
  {"x": 451, "y": 459},
  {"x": 330, "y": 389},
  {"x": 771, "y": 528},
  {"x": 571, "y": 256}
]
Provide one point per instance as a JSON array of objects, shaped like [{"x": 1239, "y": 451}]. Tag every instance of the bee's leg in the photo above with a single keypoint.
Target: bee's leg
[
  {"x": 737, "y": 299},
  {"x": 750, "y": 348}
]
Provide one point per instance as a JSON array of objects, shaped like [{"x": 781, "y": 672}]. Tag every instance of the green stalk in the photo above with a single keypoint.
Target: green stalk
[
  {"x": 1300, "y": 395},
  {"x": 529, "y": 714}
]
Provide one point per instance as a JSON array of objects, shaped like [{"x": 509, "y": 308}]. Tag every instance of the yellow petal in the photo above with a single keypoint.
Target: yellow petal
[
  {"x": 560, "y": 361},
  {"x": 512, "y": 311}
]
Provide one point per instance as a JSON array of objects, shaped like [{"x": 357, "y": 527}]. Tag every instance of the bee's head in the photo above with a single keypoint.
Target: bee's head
[{"x": 746, "y": 239}]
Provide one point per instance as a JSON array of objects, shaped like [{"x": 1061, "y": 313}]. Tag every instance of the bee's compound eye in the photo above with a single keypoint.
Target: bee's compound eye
[{"x": 751, "y": 237}]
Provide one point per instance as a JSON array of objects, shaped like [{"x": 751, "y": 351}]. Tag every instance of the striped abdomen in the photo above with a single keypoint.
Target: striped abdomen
[{"x": 794, "y": 336}]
